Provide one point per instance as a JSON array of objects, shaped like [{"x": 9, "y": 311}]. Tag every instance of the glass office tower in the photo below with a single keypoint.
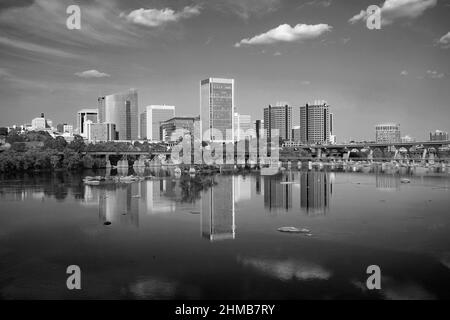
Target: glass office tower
[
  {"x": 122, "y": 110},
  {"x": 217, "y": 109}
]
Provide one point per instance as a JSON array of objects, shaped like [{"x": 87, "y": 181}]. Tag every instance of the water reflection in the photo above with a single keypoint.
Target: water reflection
[
  {"x": 387, "y": 182},
  {"x": 310, "y": 190},
  {"x": 218, "y": 210}
]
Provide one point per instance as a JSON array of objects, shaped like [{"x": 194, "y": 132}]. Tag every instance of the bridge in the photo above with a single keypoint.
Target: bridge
[{"x": 368, "y": 145}]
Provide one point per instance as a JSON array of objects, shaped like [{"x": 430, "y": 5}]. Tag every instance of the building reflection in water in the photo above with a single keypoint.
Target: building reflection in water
[
  {"x": 119, "y": 204},
  {"x": 218, "y": 211},
  {"x": 316, "y": 189},
  {"x": 387, "y": 183},
  {"x": 314, "y": 194},
  {"x": 277, "y": 193}
]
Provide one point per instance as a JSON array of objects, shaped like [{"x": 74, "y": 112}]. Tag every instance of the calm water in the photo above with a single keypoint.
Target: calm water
[{"x": 218, "y": 238}]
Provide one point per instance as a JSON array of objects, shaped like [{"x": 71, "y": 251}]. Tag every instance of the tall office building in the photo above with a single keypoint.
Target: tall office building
[
  {"x": 151, "y": 120},
  {"x": 278, "y": 118},
  {"x": 120, "y": 109},
  {"x": 217, "y": 109},
  {"x": 387, "y": 133},
  {"x": 315, "y": 123},
  {"x": 439, "y": 135},
  {"x": 84, "y": 115}
]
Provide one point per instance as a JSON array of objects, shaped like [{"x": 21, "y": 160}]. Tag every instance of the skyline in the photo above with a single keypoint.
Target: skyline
[{"x": 275, "y": 50}]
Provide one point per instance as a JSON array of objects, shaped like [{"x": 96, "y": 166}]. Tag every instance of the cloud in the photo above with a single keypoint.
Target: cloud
[
  {"x": 305, "y": 83},
  {"x": 444, "y": 41},
  {"x": 392, "y": 10},
  {"x": 287, "y": 270},
  {"x": 433, "y": 74},
  {"x": 317, "y": 3},
  {"x": 32, "y": 47},
  {"x": 247, "y": 8},
  {"x": 286, "y": 33},
  {"x": 404, "y": 73},
  {"x": 156, "y": 17},
  {"x": 276, "y": 54},
  {"x": 91, "y": 74}
]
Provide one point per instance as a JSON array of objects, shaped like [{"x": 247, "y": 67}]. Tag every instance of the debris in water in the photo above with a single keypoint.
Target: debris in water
[
  {"x": 293, "y": 230},
  {"x": 107, "y": 223},
  {"x": 405, "y": 181}
]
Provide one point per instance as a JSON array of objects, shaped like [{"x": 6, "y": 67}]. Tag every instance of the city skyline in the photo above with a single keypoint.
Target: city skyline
[{"x": 343, "y": 62}]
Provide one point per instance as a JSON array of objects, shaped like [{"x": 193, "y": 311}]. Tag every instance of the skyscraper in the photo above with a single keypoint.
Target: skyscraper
[
  {"x": 120, "y": 109},
  {"x": 151, "y": 120},
  {"x": 217, "y": 109},
  {"x": 315, "y": 123},
  {"x": 278, "y": 118}
]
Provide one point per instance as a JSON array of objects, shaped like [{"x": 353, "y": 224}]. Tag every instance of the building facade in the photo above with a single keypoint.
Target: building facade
[
  {"x": 175, "y": 128},
  {"x": 100, "y": 131},
  {"x": 151, "y": 119},
  {"x": 387, "y": 133},
  {"x": 84, "y": 115},
  {"x": 120, "y": 109},
  {"x": 315, "y": 123},
  {"x": 217, "y": 109},
  {"x": 278, "y": 118},
  {"x": 41, "y": 123},
  {"x": 439, "y": 135},
  {"x": 243, "y": 127}
]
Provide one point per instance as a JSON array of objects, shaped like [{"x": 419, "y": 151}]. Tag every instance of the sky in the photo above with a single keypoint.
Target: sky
[{"x": 276, "y": 50}]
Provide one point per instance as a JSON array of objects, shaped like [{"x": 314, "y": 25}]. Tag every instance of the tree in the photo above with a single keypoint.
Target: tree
[
  {"x": 60, "y": 143},
  {"x": 77, "y": 144}
]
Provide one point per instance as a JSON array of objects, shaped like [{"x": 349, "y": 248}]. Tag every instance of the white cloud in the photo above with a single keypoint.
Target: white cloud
[
  {"x": 91, "y": 74},
  {"x": 444, "y": 41},
  {"x": 156, "y": 17},
  {"x": 37, "y": 48},
  {"x": 246, "y": 8},
  {"x": 305, "y": 83},
  {"x": 392, "y": 10},
  {"x": 404, "y": 73},
  {"x": 276, "y": 54},
  {"x": 286, "y": 33},
  {"x": 433, "y": 74}
]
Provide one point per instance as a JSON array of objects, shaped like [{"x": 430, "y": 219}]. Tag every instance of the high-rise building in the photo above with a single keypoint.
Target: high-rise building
[
  {"x": 217, "y": 109},
  {"x": 439, "y": 135},
  {"x": 151, "y": 120},
  {"x": 315, "y": 123},
  {"x": 120, "y": 109},
  {"x": 332, "y": 135},
  {"x": 243, "y": 127},
  {"x": 174, "y": 128},
  {"x": 278, "y": 118},
  {"x": 84, "y": 115},
  {"x": 387, "y": 133}
]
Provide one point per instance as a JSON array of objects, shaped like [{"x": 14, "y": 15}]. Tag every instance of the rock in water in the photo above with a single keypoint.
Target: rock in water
[{"x": 293, "y": 230}]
